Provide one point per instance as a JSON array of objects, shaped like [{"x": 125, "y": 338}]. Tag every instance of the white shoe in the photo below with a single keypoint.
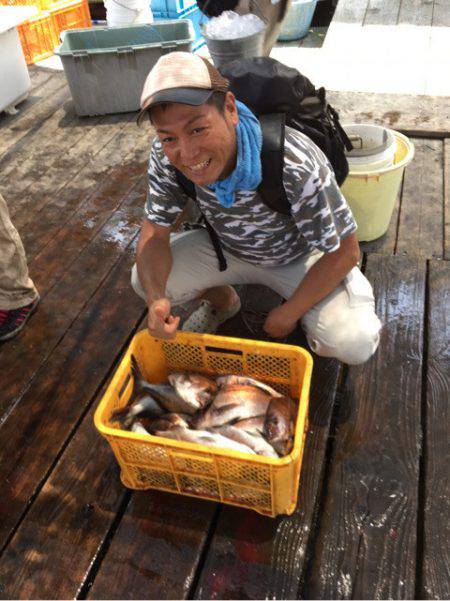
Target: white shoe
[{"x": 206, "y": 319}]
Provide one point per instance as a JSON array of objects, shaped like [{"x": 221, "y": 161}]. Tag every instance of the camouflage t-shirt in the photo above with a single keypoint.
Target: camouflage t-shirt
[{"x": 249, "y": 229}]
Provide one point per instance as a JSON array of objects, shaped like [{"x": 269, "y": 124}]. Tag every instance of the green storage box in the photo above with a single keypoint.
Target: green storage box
[{"x": 106, "y": 66}]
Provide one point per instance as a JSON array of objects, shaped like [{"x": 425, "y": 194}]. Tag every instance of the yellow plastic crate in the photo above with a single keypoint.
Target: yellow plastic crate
[
  {"x": 37, "y": 3},
  {"x": 267, "y": 485},
  {"x": 69, "y": 15},
  {"x": 38, "y": 38}
]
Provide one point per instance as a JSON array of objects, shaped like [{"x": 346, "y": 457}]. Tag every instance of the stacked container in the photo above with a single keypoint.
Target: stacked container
[
  {"x": 181, "y": 9},
  {"x": 40, "y": 34}
]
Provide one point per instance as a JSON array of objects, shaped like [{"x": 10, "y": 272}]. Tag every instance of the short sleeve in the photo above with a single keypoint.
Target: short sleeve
[
  {"x": 165, "y": 199},
  {"x": 319, "y": 209}
]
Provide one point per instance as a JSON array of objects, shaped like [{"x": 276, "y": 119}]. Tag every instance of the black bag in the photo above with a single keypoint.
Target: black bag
[{"x": 280, "y": 96}]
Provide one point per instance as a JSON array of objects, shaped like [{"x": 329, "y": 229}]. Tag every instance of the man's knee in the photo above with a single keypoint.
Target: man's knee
[{"x": 352, "y": 343}]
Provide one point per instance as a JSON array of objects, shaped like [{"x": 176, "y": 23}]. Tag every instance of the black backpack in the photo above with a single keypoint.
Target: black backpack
[{"x": 280, "y": 96}]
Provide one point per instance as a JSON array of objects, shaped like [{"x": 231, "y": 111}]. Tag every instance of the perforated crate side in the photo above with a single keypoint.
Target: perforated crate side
[{"x": 38, "y": 38}]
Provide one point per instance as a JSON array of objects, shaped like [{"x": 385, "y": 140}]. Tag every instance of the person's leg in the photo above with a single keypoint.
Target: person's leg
[
  {"x": 18, "y": 295},
  {"x": 344, "y": 324},
  {"x": 16, "y": 287},
  {"x": 273, "y": 14},
  {"x": 195, "y": 275}
]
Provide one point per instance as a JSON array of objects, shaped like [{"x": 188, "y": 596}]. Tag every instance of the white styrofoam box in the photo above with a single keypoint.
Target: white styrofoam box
[{"x": 14, "y": 77}]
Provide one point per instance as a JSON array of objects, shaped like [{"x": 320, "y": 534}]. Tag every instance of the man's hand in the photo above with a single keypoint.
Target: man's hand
[
  {"x": 280, "y": 322},
  {"x": 161, "y": 324}
]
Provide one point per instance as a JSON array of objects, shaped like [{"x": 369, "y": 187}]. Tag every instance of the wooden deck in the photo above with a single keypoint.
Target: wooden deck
[{"x": 372, "y": 517}]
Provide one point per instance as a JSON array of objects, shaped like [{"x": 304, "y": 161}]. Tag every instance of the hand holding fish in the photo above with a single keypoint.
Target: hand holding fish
[
  {"x": 161, "y": 323},
  {"x": 280, "y": 322}
]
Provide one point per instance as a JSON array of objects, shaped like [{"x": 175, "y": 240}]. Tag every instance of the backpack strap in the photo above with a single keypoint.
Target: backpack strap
[{"x": 271, "y": 187}]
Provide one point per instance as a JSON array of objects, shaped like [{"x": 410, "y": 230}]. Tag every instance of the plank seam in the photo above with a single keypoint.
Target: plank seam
[
  {"x": 421, "y": 493},
  {"x": 88, "y": 581},
  {"x": 193, "y": 592},
  {"x": 302, "y": 591}
]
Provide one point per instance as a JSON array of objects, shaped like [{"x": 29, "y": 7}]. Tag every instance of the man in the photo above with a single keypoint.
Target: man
[
  {"x": 309, "y": 257},
  {"x": 18, "y": 295}
]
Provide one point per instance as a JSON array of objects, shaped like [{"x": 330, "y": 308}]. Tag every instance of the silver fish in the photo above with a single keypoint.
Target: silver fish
[
  {"x": 254, "y": 441},
  {"x": 204, "y": 437},
  {"x": 195, "y": 389},
  {"x": 279, "y": 424},
  {"x": 232, "y": 404},
  {"x": 246, "y": 381},
  {"x": 164, "y": 393}
]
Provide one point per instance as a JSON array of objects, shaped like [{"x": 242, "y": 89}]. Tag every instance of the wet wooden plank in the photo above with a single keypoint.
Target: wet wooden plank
[
  {"x": 416, "y": 12},
  {"x": 256, "y": 557},
  {"x": 73, "y": 172},
  {"x": 421, "y": 225},
  {"x": 64, "y": 302},
  {"x": 447, "y": 198},
  {"x": 436, "y": 554},
  {"x": 117, "y": 198},
  {"x": 366, "y": 548},
  {"x": 413, "y": 115},
  {"x": 59, "y": 133},
  {"x": 21, "y": 127},
  {"x": 350, "y": 11},
  {"x": 156, "y": 549},
  {"x": 38, "y": 427},
  {"x": 380, "y": 12}
]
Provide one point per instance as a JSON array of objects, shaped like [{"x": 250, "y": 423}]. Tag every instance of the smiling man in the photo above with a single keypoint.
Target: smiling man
[{"x": 308, "y": 257}]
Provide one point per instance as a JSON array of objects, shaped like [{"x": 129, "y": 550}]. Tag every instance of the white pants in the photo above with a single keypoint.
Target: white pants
[{"x": 342, "y": 325}]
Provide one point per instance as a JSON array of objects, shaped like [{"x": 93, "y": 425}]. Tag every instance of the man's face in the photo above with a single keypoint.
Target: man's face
[{"x": 199, "y": 140}]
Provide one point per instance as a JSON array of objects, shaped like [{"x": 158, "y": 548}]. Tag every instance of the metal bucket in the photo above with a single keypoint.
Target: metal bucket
[{"x": 225, "y": 51}]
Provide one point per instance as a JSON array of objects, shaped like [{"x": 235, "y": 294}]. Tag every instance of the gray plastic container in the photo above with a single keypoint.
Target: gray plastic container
[
  {"x": 106, "y": 67},
  {"x": 224, "y": 51}
]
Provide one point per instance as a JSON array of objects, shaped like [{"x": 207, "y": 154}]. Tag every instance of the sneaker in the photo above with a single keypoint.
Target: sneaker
[
  {"x": 13, "y": 320},
  {"x": 206, "y": 319}
]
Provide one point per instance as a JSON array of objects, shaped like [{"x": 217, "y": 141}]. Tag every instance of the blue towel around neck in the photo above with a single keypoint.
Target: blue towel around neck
[{"x": 248, "y": 172}]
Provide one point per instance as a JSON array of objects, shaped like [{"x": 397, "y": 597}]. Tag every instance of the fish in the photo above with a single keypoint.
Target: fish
[
  {"x": 139, "y": 428},
  {"x": 252, "y": 425},
  {"x": 246, "y": 381},
  {"x": 165, "y": 394},
  {"x": 232, "y": 404},
  {"x": 144, "y": 406},
  {"x": 255, "y": 441},
  {"x": 204, "y": 437},
  {"x": 196, "y": 390},
  {"x": 279, "y": 424},
  {"x": 168, "y": 421}
]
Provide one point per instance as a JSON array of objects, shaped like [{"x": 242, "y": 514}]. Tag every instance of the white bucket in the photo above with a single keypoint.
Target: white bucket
[
  {"x": 127, "y": 12},
  {"x": 374, "y": 147}
]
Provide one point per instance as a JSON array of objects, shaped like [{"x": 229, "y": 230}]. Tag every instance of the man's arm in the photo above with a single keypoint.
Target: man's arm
[
  {"x": 323, "y": 277},
  {"x": 154, "y": 263}
]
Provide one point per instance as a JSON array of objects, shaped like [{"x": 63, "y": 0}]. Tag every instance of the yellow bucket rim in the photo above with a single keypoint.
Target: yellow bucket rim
[{"x": 400, "y": 165}]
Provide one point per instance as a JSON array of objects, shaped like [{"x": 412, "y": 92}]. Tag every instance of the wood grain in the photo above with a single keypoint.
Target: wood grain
[
  {"x": 421, "y": 225},
  {"x": 38, "y": 427},
  {"x": 436, "y": 555},
  {"x": 366, "y": 548},
  {"x": 447, "y": 199}
]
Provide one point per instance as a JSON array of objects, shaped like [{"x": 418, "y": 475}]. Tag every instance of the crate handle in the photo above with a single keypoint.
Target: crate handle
[
  {"x": 225, "y": 351},
  {"x": 80, "y": 54},
  {"x": 167, "y": 47},
  {"x": 125, "y": 50}
]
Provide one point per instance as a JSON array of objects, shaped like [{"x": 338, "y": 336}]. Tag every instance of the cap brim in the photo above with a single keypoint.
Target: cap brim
[{"x": 192, "y": 96}]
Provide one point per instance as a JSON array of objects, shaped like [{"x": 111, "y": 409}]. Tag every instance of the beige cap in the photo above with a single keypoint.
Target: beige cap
[{"x": 181, "y": 77}]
